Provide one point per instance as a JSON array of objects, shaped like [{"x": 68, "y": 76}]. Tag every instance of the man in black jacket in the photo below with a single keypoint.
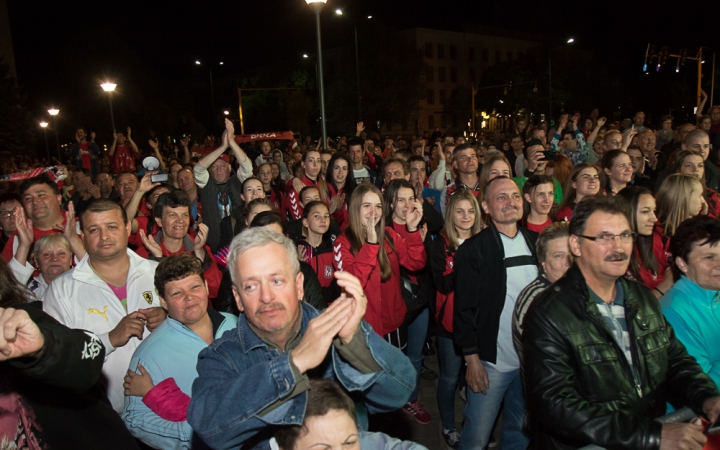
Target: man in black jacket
[
  {"x": 600, "y": 360},
  {"x": 492, "y": 268},
  {"x": 51, "y": 393}
]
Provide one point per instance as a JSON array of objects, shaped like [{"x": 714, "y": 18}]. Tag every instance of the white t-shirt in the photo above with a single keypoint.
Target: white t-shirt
[
  {"x": 362, "y": 175},
  {"x": 517, "y": 278}
]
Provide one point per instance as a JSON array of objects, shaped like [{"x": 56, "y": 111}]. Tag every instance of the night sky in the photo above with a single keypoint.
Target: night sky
[{"x": 166, "y": 38}]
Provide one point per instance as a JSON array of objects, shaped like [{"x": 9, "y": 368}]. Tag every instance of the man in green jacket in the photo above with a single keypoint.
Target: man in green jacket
[{"x": 600, "y": 358}]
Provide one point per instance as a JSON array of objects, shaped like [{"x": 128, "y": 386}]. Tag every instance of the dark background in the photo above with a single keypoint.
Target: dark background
[{"x": 64, "y": 50}]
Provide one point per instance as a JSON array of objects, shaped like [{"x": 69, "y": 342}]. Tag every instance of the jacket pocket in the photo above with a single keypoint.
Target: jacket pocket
[
  {"x": 653, "y": 346},
  {"x": 599, "y": 379}
]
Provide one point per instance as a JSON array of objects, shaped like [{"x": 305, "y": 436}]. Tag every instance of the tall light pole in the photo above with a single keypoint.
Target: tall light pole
[
  {"x": 317, "y": 6},
  {"x": 569, "y": 41},
  {"x": 339, "y": 12},
  {"x": 44, "y": 125},
  {"x": 212, "y": 91},
  {"x": 109, "y": 88},
  {"x": 54, "y": 112}
]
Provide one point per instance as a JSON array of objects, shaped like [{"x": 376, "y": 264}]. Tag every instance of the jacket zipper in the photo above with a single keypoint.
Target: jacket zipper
[{"x": 627, "y": 367}]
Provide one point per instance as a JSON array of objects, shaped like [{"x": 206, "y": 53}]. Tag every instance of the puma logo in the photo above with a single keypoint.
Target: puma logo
[{"x": 96, "y": 311}]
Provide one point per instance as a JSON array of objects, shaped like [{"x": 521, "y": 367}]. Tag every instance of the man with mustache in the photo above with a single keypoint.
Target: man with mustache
[
  {"x": 600, "y": 360},
  {"x": 257, "y": 376},
  {"x": 492, "y": 268}
]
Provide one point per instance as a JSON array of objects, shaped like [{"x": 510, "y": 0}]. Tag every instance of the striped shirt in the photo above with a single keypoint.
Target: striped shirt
[
  {"x": 525, "y": 298},
  {"x": 613, "y": 314}
]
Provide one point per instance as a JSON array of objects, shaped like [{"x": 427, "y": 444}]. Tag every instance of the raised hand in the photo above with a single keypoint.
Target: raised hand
[
  {"x": 19, "y": 335},
  {"x": 153, "y": 144},
  {"x": 336, "y": 203},
  {"x": 150, "y": 244},
  {"x": 114, "y": 135},
  {"x": 360, "y": 127},
  {"x": 370, "y": 231},
  {"x": 129, "y": 133},
  {"x": 230, "y": 128},
  {"x": 200, "y": 240},
  {"x": 562, "y": 123},
  {"x": 414, "y": 216},
  {"x": 138, "y": 384},
  {"x": 314, "y": 346},
  {"x": 145, "y": 183},
  {"x": 25, "y": 230},
  {"x": 302, "y": 253},
  {"x": 351, "y": 289},
  {"x": 601, "y": 121}
]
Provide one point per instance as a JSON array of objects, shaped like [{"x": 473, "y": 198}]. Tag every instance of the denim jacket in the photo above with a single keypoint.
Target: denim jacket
[{"x": 240, "y": 377}]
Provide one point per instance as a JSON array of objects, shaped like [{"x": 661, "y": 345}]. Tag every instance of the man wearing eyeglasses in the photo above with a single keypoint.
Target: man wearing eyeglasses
[
  {"x": 8, "y": 203},
  {"x": 600, "y": 358}
]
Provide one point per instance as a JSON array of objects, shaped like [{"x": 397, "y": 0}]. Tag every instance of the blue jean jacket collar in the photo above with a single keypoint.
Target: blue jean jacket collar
[{"x": 249, "y": 340}]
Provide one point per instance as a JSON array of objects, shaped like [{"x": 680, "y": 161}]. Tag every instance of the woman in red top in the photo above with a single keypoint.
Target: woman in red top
[
  {"x": 273, "y": 194},
  {"x": 538, "y": 200},
  {"x": 316, "y": 249},
  {"x": 359, "y": 252},
  {"x": 462, "y": 221},
  {"x": 584, "y": 182},
  {"x": 649, "y": 264},
  {"x": 690, "y": 162},
  {"x": 341, "y": 184}
]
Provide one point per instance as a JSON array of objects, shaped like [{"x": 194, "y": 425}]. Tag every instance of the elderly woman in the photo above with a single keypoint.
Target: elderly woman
[
  {"x": 53, "y": 257},
  {"x": 691, "y": 305},
  {"x": 554, "y": 259}
]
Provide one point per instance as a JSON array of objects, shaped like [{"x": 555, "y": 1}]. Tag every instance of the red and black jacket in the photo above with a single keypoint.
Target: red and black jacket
[
  {"x": 293, "y": 209},
  {"x": 441, "y": 262}
]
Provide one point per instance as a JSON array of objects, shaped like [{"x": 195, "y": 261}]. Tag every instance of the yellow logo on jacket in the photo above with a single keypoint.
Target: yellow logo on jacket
[
  {"x": 148, "y": 297},
  {"x": 97, "y": 311}
]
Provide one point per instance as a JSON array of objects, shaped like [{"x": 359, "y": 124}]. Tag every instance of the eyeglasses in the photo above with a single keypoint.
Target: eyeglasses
[
  {"x": 6, "y": 213},
  {"x": 607, "y": 238}
]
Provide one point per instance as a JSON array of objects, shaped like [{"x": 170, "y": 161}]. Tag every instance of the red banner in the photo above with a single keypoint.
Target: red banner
[{"x": 272, "y": 136}]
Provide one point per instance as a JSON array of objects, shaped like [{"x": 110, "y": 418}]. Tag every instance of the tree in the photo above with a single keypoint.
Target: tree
[{"x": 17, "y": 127}]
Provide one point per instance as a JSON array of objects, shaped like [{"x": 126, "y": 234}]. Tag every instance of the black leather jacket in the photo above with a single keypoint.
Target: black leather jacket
[{"x": 579, "y": 385}]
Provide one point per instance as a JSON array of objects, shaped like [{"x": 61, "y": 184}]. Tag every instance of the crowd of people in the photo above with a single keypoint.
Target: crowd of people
[{"x": 276, "y": 294}]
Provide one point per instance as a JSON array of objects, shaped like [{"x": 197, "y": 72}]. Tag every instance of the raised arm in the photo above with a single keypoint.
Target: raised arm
[
  {"x": 699, "y": 113},
  {"x": 156, "y": 149},
  {"x": 111, "y": 150},
  {"x": 133, "y": 145},
  {"x": 134, "y": 203},
  {"x": 210, "y": 158},
  {"x": 186, "y": 151}
]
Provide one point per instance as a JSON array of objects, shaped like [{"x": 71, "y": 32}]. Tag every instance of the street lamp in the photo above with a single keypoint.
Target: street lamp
[
  {"x": 317, "y": 6},
  {"x": 109, "y": 88},
  {"x": 339, "y": 12},
  {"x": 54, "y": 112},
  {"x": 212, "y": 91},
  {"x": 226, "y": 112},
  {"x": 569, "y": 41},
  {"x": 44, "y": 125}
]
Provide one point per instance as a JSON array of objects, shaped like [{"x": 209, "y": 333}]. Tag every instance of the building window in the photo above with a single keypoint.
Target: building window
[
  {"x": 441, "y": 51},
  {"x": 441, "y": 74},
  {"x": 429, "y": 50},
  {"x": 471, "y": 53},
  {"x": 453, "y": 74},
  {"x": 443, "y": 121},
  {"x": 498, "y": 56},
  {"x": 510, "y": 56},
  {"x": 486, "y": 55},
  {"x": 441, "y": 97},
  {"x": 472, "y": 76},
  {"x": 430, "y": 96},
  {"x": 429, "y": 73},
  {"x": 454, "y": 121},
  {"x": 453, "y": 51},
  {"x": 431, "y": 121}
]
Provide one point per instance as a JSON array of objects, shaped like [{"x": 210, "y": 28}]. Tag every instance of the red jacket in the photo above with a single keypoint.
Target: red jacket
[
  {"x": 444, "y": 278},
  {"x": 320, "y": 259},
  {"x": 293, "y": 210},
  {"x": 661, "y": 249},
  {"x": 386, "y": 308}
]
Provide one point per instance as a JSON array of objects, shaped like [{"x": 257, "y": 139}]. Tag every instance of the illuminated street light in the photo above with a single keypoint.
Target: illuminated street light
[
  {"x": 54, "y": 112},
  {"x": 226, "y": 112},
  {"x": 197, "y": 62},
  {"x": 571, "y": 40},
  {"x": 369, "y": 17},
  {"x": 110, "y": 88},
  {"x": 221, "y": 63},
  {"x": 317, "y": 6},
  {"x": 305, "y": 55},
  {"x": 44, "y": 125},
  {"x": 338, "y": 12}
]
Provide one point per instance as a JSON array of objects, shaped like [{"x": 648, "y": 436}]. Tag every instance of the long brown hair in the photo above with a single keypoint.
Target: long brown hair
[
  {"x": 569, "y": 193},
  {"x": 356, "y": 233},
  {"x": 449, "y": 227},
  {"x": 672, "y": 200},
  {"x": 11, "y": 291}
]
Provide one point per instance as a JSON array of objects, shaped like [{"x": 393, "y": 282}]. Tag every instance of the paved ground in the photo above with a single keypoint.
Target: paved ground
[{"x": 403, "y": 426}]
